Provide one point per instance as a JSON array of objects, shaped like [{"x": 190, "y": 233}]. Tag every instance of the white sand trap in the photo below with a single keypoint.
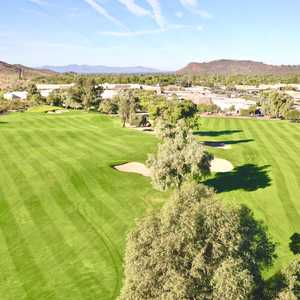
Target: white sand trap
[
  {"x": 221, "y": 166},
  {"x": 134, "y": 167}
]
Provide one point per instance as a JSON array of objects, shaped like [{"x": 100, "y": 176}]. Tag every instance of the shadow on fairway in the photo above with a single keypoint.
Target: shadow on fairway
[
  {"x": 218, "y": 143},
  {"x": 3, "y": 123},
  {"x": 248, "y": 177},
  {"x": 216, "y": 133}
]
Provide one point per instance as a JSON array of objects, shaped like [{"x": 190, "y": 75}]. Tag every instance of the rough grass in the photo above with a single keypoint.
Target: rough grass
[{"x": 64, "y": 212}]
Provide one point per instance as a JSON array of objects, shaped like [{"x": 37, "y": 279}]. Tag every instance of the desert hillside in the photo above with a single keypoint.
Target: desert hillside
[
  {"x": 12, "y": 74},
  {"x": 241, "y": 67}
]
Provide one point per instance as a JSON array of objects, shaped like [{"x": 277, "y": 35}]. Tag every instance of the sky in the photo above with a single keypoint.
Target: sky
[{"x": 162, "y": 34}]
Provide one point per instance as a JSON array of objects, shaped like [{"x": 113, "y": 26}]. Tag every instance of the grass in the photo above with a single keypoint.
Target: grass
[
  {"x": 43, "y": 108},
  {"x": 64, "y": 212},
  {"x": 266, "y": 176}
]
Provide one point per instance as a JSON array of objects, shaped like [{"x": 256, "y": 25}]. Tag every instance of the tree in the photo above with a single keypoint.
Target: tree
[
  {"x": 179, "y": 157},
  {"x": 55, "y": 98},
  {"x": 194, "y": 248},
  {"x": 91, "y": 94},
  {"x": 291, "y": 281},
  {"x": 85, "y": 94},
  {"x": 295, "y": 243},
  {"x": 108, "y": 107},
  {"x": 34, "y": 95},
  {"x": 128, "y": 106},
  {"x": 276, "y": 104}
]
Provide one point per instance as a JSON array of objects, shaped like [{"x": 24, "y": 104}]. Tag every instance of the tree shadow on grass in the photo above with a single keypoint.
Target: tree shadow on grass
[
  {"x": 223, "y": 143},
  {"x": 216, "y": 133},
  {"x": 3, "y": 123},
  {"x": 248, "y": 177}
]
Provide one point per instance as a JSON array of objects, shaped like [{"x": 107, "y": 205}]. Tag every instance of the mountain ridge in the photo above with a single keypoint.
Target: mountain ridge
[
  {"x": 237, "y": 67},
  {"x": 100, "y": 69}
]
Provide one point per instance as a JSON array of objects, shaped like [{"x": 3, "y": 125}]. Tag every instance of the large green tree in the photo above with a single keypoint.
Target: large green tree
[
  {"x": 196, "y": 248},
  {"x": 34, "y": 94},
  {"x": 179, "y": 157},
  {"x": 276, "y": 104}
]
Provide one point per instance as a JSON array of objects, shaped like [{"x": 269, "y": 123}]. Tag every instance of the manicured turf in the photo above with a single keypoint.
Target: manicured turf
[
  {"x": 64, "y": 212},
  {"x": 266, "y": 176}
]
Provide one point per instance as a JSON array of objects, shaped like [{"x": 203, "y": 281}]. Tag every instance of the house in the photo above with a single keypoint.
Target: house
[{"x": 17, "y": 95}]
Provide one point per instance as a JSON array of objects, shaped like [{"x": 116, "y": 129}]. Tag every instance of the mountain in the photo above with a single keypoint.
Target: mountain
[
  {"x": 12, "y": 74},
  {"x": 88, "y": 69},
  {"x": 238, "y": 67}
]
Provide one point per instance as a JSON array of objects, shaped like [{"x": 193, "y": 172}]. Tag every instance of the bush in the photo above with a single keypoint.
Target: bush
[
  {"x": 293, "y": 115},
  {"x": 108, "y": 107}
]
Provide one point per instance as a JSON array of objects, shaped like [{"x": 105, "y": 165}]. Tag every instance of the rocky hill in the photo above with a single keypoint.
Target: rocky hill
[
  {"x": 238, "y": 67},
  {"x": 13, "y": 74}
]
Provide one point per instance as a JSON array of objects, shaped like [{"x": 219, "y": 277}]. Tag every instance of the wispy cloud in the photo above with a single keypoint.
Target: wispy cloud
[
  {"x": 149, "y": 32},
  {"x": 103, "y": 12},
  {"x": 157, "y": 14},
  {"x": 194, "y": 7},
  {"x": 134, "y": 8}
]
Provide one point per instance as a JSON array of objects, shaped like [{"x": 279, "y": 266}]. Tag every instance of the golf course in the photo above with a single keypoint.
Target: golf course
[{"x": 65, "y": 211}]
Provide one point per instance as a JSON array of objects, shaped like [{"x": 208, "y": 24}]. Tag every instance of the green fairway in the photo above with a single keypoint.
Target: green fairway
[
  {"x": 266, "y": 177},
  {"x": 64, "y": 212}
]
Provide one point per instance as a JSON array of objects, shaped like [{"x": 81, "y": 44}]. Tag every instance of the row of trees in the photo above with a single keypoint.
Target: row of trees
[
  {"x": 181, "y": 80},
  {"x": 85, "y": 94},
  {"x": 196, "y": 247}
]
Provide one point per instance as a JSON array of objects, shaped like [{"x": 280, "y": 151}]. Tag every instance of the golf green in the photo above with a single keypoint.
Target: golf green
[{"x": 65, "y": 212}]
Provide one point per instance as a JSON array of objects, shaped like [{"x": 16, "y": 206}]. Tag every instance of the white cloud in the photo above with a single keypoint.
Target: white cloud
[
  {"x": 135, "y": 8},
  {"x": 103, "y": 12},
  {"x": 157, "y": 15},
  {"x": 194, "y": 7}
]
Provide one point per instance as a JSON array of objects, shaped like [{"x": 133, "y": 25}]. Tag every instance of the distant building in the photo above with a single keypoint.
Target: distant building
[
  {"x": 109, "y": 94},
  {"x": 17, "y": 95},
  {"x": 226, "y": 103},
  {"x": 47, "y": 89}
]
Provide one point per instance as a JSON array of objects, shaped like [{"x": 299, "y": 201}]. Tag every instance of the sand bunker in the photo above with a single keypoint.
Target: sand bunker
[
  {"x": 221, "y": 166},
  {"x": 134, "y": 167},
  {"x": 217, "y": 145}
]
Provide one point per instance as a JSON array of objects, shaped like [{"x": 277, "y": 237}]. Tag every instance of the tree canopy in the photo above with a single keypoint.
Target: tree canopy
[
  {"x": 196, "y": 247},
  {"x": 179, "y": 157}
]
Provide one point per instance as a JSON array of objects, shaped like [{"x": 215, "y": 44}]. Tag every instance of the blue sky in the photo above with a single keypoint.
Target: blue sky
[{"x": 164, "y": 34}]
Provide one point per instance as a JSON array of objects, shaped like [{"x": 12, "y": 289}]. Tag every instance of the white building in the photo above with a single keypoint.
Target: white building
[
  {"x": 17, "y": 95},
  {"x": 226, "y": 103},
  {"x": 109, "y": 94},
  {"x": 47, "y": 89}
]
